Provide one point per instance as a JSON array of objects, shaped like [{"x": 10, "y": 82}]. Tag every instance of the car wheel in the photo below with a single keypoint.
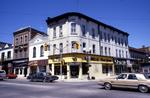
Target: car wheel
[
  {"x": 107, "y": 86},
  {"x": 143, "y": 88}
]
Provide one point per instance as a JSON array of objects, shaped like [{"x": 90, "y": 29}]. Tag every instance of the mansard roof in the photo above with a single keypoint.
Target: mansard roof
[
  {"x": 66, "y": 15},
  {"x": 3, "y": 44},
  {"x": 28, "y": 29}
]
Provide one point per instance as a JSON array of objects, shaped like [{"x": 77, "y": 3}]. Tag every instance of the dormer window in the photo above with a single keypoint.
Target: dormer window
[
  {"x": 83, "y": 30},
  {"x": 60, "y": 31},
  {"x": 54, "y": 32},
  {"x": 93, "y": 33}
]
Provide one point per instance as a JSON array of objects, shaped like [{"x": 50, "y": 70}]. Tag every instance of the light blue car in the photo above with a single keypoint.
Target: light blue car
[{"x": 2, "y": 74}]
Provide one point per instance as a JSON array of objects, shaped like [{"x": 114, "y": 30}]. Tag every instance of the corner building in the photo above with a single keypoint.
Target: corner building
[{"x": 86, "y": 46}]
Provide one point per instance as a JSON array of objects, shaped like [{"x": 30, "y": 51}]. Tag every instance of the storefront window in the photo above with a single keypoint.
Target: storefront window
[
  {"x": 107, "y": 69},
  {"x": 57, "y": 70}
]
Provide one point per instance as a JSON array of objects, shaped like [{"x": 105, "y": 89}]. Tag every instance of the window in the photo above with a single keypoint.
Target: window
[
  {"x": 61, "y": 47},
  {"x": 126, "y": 54},
  {"x": 116, "y": 53},
  {"x": 25, "y": 53},
  {"x": 60, "y": 31},
  {"x": 132, "y": 77},
  {"x": 105, "y": 51},
  {"x": 73, "y": 28},
  {"x": 34, "y": 52},
  {"x": 93, "y": 33},
  {"x": 108, "y": 38},
  {"x": 93, "y": 48},
  {"x": 21, "y": 54},
  {"x": 116, "y": 40},
  {"x": 119, "y": 41},
  {"x": 48, "y": 46},
  {"x": 57, "y": 70},
  {"x": 122, "y": 76},
  {"x": 26, "y": 39},
  {"x": 101, "y": 35},
  {"x": 74, "y": 44},
  {"x": 101, "y": 50},
  {"x": 83, "y": 30},
  {"x": 3, "y": 56},
  {"x": 54, "y": 48},
  {"x": 106, "y": 69},
  {"x": 122, "y": 42},
  {"x": 120, "y": 53},
  {"x": 9, "y": 54},
  {"x": 21, "y": 39},
  {"x": 16, "y": 42},
  {"x": 54, "y": 32},
  {"x": 112, "y": 38},
  {"x": 109, "y": 51},
  {"x": 105, "y": 37},
  {"x": 41, "y": 51},
  {"x": 84, "y": 47},
  {"x": 16, "y": 54},
  {"x": 126, "y": 42}
]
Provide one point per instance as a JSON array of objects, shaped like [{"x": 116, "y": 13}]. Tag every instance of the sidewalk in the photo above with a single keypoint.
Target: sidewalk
[
  {"x": 76, "y": 80},
  {"x": 64, "y": 80}
]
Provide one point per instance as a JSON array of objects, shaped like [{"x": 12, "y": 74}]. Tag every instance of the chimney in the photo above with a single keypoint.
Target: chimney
[{"x": 143, "y": 46}]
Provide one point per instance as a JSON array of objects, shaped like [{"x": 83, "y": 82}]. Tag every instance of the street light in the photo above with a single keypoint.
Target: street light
[{"x": 87, "y": 59}]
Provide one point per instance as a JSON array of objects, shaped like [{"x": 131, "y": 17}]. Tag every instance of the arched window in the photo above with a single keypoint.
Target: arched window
[
  {"x": 42, "y": 51},
  {"x": 34, "y": 52}
]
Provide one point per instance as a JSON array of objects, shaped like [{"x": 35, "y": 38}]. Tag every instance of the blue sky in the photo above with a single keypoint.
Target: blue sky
[{"x": 132, "y": 16}]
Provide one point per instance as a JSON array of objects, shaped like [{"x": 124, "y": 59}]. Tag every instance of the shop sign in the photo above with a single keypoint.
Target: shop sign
[{"x": 74, "y": 63}]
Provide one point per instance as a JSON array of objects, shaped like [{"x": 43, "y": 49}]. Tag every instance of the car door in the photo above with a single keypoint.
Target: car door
[
  {"x": 119, "y": 81},
  {"x": 40, "y": 76},
  {"x": 132, "y": 81}
]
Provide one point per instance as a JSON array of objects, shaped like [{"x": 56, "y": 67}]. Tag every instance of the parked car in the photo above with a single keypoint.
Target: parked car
[
  {"x": 127, "y": 80},
  {"x": 42, "y": 76},
  {"x": 11, "y": 76},
  {"x": 2, "y": 74}
]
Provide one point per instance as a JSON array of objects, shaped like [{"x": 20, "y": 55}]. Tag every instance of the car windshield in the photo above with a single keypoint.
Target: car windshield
[{"x": 147, "y": 75}]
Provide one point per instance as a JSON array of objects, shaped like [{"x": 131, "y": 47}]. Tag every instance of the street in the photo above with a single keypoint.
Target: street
[{"x": 26, "y": 89}]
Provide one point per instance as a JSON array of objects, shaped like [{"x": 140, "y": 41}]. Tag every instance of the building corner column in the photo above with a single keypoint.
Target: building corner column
[
  {"x": 14, "y": 70},
  {"x": 37, "y": 69},
  {"x": 28, "y": 70},
  {"x": 80, "y": 71},
  {"x": 113, "y": 69},
  {"x": 52, "y": 69},
  {"x": 47, "y": 68}
]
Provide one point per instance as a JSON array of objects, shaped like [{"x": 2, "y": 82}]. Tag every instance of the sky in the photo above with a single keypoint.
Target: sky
[{"x": 132, "y": 16}]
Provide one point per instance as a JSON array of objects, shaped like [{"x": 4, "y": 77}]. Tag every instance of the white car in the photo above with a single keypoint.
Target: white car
[
  {"x": 2, "y": 74},
  {"x": 127, "y": 80}
]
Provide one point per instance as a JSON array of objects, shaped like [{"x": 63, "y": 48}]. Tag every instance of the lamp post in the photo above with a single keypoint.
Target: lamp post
[{"x": 87, "y": 59}]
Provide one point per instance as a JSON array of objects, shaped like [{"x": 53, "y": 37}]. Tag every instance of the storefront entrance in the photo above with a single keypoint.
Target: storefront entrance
[{"x": 74, "y": 71}]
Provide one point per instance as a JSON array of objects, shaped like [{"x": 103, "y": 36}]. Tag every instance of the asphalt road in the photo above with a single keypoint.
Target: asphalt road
[{"x": 26, "y": 89}]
